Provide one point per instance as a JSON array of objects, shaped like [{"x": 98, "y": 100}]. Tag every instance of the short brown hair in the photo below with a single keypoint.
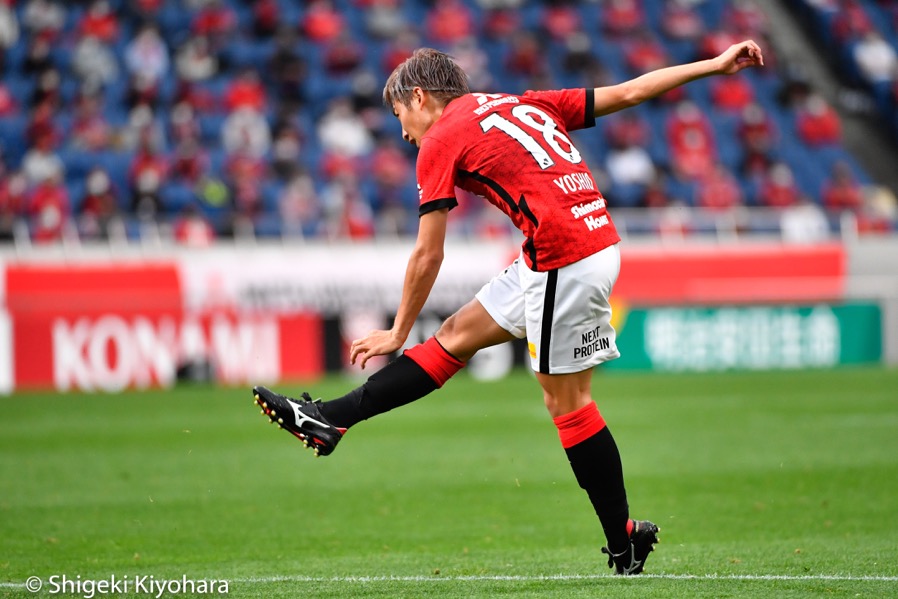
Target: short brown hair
[{"x": 431, "y": 70}]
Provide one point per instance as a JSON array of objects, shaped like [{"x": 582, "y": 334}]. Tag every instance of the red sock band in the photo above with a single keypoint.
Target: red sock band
[
  {"x": 579, "y": 425},
  {"x": 439, "y": 364}
]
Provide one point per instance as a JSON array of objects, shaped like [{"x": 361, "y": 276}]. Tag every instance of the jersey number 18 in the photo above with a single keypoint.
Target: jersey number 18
[{"x": 552, "y": 136}]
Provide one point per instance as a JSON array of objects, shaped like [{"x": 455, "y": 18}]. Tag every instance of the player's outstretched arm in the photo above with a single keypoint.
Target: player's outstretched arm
[
  {"x": 420, "y": 275},
  {"x": 645, "y": 87}
]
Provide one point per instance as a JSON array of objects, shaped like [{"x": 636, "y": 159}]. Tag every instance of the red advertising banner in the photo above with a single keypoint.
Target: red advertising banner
[
  {"x": 110, "y": 327},
  {"x": 747, "y": 273}
]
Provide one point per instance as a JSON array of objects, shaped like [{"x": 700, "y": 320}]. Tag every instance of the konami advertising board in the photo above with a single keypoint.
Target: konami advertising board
[{"x": 266, "y": 314}]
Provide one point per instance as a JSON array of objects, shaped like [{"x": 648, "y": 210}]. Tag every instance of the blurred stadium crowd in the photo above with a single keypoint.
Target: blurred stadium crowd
[{"x": 230, "y": 117}]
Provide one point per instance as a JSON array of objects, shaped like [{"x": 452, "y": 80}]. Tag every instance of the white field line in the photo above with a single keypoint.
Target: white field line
[
  {"x": 541, "y": 578},
  {"x": 557, "y": 577}
]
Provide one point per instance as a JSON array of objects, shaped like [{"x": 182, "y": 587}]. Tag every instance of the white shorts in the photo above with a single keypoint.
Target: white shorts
[{"x": 564, "y": 313}]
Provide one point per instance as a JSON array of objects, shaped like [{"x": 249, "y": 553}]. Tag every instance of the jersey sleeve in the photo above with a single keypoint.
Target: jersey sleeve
[
  {"x": 435, "y": 170},
  {"x": 576, "y": 106}
]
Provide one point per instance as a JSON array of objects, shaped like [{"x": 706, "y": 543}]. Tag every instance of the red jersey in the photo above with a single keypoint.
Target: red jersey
[{"x": 515, "y": 152}]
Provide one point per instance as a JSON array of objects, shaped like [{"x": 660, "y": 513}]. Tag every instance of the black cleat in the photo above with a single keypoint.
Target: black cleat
[
  {"x": 632, "y": 559},
  {"x": 300, "y": 417}
]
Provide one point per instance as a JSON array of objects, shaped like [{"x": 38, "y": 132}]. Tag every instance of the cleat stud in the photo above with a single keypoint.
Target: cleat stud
[
  {"x": 280, "y": 421},
  {"x": 273, "y": 413},
  {"x": 261, "y": 411},
  {"x": 256, "y": 396},
  {"x": 279, "y": 426},
  {"x": 265, "y": 405}
]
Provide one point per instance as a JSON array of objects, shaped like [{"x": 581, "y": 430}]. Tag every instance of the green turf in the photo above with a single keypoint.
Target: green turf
[{"x": 768, "y": 484}]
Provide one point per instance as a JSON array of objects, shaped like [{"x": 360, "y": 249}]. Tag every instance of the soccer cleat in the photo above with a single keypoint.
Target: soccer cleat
[
  {"x": 632, "y": 559},
  {"x": 301, "y": 418}
]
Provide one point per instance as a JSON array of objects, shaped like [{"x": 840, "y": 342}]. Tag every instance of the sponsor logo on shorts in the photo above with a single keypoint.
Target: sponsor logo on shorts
[
  {"x": 532, "y": 348},
  {"x": 590, "y": 343}
]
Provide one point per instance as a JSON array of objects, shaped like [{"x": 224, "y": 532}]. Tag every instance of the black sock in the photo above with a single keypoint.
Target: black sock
[
  {"x": 596, "y": 464},
  {"x": 400, "y": 382}
]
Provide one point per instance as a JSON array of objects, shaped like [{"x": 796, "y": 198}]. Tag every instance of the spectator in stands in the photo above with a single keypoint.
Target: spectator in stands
[
  {"x": 342, "y": 132},
  {"x": 680, "y": 21},
  {"x": 448, "y": 22},
  {"x": 266, "y": 19},
  {"x": 400, "y": 48},
  {"x": 216, "y": 21},
  {"x": 876, "y": 58},
  {"x": 717, "y": 40},
  {"x": 718, "y": 190},
  {"x": 731, "y": 94},
  {"x": 146, "y": 202},
  {"x": 183, "y": 122},
  {"x": 195, "y": 60},
  {"x": 747, "y": 18},
  {"x": 286, "y": 70},
  {"x": 94, "y": 63},
  {"x": 817, "y": 122},
  {"x": 192, "y": 229},
  {"x": 49, "y": 209},
  {"x": 384, "y": 19},
  {"x": 643, "y": 52},
  {"x": 841, "y": 190},
  {"x": 299, "y": 206},
  {"x": 189, "y": 161},
  {"x": 690, "y": 139},
  {"x": 98, "y": 205},
  {"x": 803, "y": 222},
  {"x": 322, "y": 22},
  {"x": 246, "y": 91},
  {"x": 9, "y": 28},
  {"x": 100, "y": 22},
  {"x": 146, "y": 55},
  {"x": 44, "y": 18},
  {"x": 526, "y": 54},
  {"x": 474, "y": 61},
  {"x": 8, "y": 104},
  {"x": 347, "y": 213},
  {"x": 246, "y": 130},
  {"x": 142, "y": 129},
  {"x": 245, "y": 174},
  {"x": 48, "y": 90},
  {"x": 42, "y": 124},
  {"x": 500, "y": 23},
  {"x": 90, "y": 129},
  {"x": 41, "y": 163},
  {"x": 13, "y": 202},
  {"x": 343, "y": 54},
  {"x": 627, "y": 127},
  {"x": 629, "y": 164},
  {"x": 37, "y": 57},
  {"x": 560, "y": 20},
  {"x": 286, "y": 151},
  {"x": 778, "y": 188},
  {"x": 851, "y": 22},
  {"x": 757, "y": 137},
  {"x": 620, "y": 18}
]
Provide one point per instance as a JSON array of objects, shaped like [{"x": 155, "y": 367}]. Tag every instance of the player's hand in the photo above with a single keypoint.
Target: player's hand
[
  {"x": 740, "y": 56},
  {"x": 375, "y": 343}
]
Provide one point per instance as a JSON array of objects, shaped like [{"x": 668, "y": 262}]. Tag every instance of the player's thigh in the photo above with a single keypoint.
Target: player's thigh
[
  {"x": 469, "y": 330},
  {"x": 494, "y": 316},
  {"x": 568, "y": 314}
]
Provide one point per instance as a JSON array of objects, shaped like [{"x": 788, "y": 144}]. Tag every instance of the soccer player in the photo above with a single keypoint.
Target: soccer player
[{"x": 515, "y": 152}]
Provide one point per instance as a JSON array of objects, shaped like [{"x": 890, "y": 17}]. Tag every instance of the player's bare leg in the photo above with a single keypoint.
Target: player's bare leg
[{"x": 596, "y": 463}]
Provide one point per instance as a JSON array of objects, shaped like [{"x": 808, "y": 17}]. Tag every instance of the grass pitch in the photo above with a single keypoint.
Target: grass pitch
[{"x": 766, "y": 484}]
